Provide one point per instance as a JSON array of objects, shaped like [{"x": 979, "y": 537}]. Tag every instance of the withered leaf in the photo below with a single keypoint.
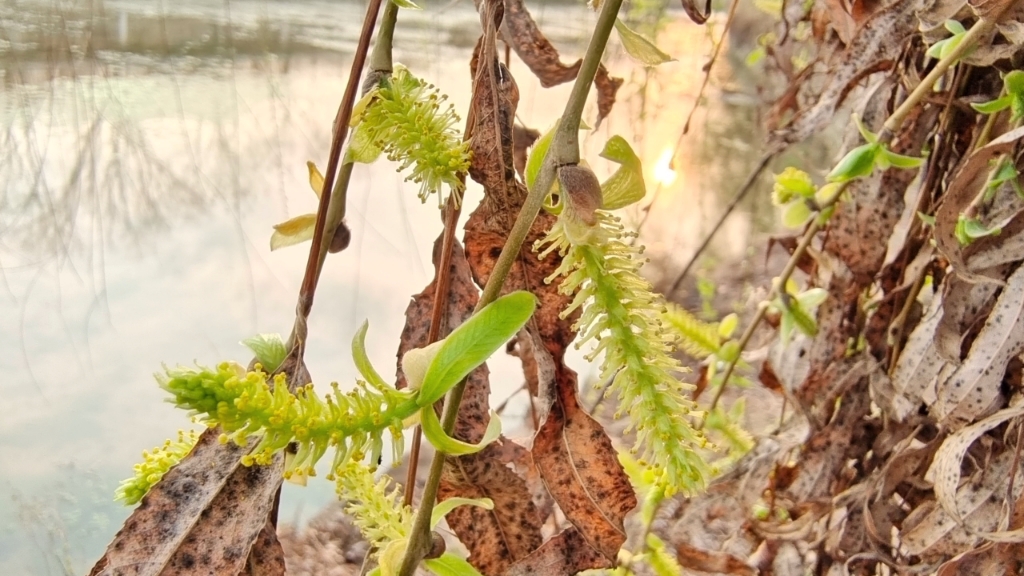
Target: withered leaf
[
  {"x": 267, "y": 555},
  {"x": 512, "y": 529},
  {"x": 709, "y": 561},
  {"x": 521, "y": 33},
  {"x": 972, "y": 389},
  {"x": 495, "y": 538},
  {"x": 581, "y": 469},
  {"x": 206, "y": 514},
  {"x": 565, "y": 553},
  {"x": 492, "y": 111},
  {"x": 878, "y": 42},
  {"x": 194, "y": 520}
]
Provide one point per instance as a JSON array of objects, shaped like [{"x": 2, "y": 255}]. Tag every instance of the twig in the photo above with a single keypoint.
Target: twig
[
  {"x": 748, "y": 185},
  {"x": 564, "y": 150},
  {"x": 707, "y": 71},
  {"x": 314, "y": 264}
]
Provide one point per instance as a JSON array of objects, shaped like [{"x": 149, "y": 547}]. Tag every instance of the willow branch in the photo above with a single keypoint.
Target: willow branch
[{"x": 564, "y": 150}]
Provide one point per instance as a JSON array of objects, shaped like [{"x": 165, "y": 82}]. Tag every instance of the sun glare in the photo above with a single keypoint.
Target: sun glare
[{"x": 663, "y": 172}]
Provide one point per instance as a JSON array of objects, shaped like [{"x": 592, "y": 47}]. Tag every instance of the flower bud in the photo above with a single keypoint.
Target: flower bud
[{"x": 581, "y": 191}]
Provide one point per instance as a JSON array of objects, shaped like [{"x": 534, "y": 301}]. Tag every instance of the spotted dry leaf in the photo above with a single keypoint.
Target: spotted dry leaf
[
  {"x": 267, "y": 555},
  {"x": 568, "y": 552},
  {"x": 202, "y": 517},
  {"x": 492, "y": 112},
  {"x": 975, "y": 386},
  {"x": 877, "y": 44},
  {"x": 499, "y": 537},
  {"x": 512, "y": 529},
  {"x": 521, "y": 32},
  {"x": 581, "y": 469},
  {"x": 206, "y": 515}
]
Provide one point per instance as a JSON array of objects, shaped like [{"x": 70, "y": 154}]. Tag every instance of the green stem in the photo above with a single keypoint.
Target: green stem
[
  {"x": 564, "y": 150},
  {"x": 982, "y": 27}
]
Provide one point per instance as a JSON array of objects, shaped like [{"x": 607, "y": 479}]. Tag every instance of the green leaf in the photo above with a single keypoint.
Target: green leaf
[
  {"x": 970, "y": 229},
  {"x": 294, "y": 231},
  {"x": 450, "y": 565},
  {"x": 926, "y": 218},
  {"x": 445, "y": 506},
  {"x": 362, "y": 361},
  {"x": 639, "y": 47},
  {"x": 469, "y": 345},
  {"x": 536, "y": 158},
  {"x": 888, "y": 158},
  {"x": 1014, "y": 82},
  {"x": 869, "y": 136},
  {"x": 442, "y": 442},
  {"x": 269, "y": 350},
  {"x": 728, "y": 325},
  {"x": 626, "y": 186},
  {"x": 810, "y": 299},
  {"x": 756, "y": 55},
  {"x": 407, "y": 4},
  {"x": 858, "y": 162},
  {"x": 955, "y": 27},
  {"x": 993, "y": 106}
]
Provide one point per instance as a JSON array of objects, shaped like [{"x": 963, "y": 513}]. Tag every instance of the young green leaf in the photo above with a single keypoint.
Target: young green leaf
[
  {"x": 442, "y": 442},
  {"x": 537, "y": 154},
  {"x": 450, "y": 565},
  {"x": 268, "y": 348},
  {"x": 362, "y": 148},
  {"x": 993, "y": 106},
  {"x": 362, "y": 361},
  {"x": 887, "y": 158},
  {"x": 469, "y": 345},
  {"x": 791, "y": 183},
  {"x": 626, "y": 186},
  {"x": 293, "y": 231},
  {"x": 795, "y": 214},
  {"x": 858, "y": 162},
  {"x": 445, "y": 506},
  {"x": 316, "y": 180},
  {"x": 639, "y": 47}
]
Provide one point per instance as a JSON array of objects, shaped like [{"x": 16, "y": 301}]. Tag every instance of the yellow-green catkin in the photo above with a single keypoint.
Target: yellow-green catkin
[
  {"x": 155, "y": 463},
  {"x": 624, "y": 317},
  {"x": 413, "y": 124}
]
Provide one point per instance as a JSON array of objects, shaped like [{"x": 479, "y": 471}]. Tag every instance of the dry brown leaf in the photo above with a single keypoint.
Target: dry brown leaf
[
  {"x": 267, "y": 555},
  {"x": 710, "y": 561},
  {"x": 206, "y": 514},
  {"x": 948, "y": 460},
  {"x": 511, "y": 530},
  {"x": 974, "y": 387},
  {"x": 194, "y": 520},
  {"x": 878, "y": 42},
  {"x": 492, "y": 111},
  {"x": 521, "y": 33},
  {"x": 565, "y": 553},
  {"x": 581, "y": 469},
  {"x": 499, "y": 537}
]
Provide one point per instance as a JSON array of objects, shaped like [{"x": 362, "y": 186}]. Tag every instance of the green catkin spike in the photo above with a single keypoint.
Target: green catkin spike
[
  {"x": 376, "y": 511},
  {"x": 622, "y": 313},
  {"x": 697, "y": 338},
  {"x": 154, "y": 465},
  {"x": 407, "y": 121},
  {"x": 244, "y": 404}
]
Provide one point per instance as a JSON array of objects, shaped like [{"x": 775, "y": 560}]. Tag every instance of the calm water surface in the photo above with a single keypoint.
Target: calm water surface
[{"x": 148, "y": 147}]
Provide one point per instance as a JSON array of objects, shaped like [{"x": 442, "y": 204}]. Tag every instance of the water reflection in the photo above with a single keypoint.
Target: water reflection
[{"x": 148, "y": 148}]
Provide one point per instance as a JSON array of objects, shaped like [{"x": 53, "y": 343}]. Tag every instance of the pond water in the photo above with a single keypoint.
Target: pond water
[{"x": 148, "y": 148}]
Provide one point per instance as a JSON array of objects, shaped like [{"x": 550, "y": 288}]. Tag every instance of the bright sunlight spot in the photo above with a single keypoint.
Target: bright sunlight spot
[{"x": 663, "y": 172}]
